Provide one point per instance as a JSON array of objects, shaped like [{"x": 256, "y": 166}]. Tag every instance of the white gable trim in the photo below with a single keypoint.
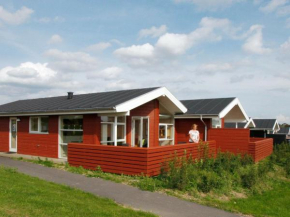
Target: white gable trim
[
  {"x": 274, "y": 127},
  {"x": 249, "y": 122},
  {"x": 230, "y": 106},
  {"x": 147, "y": 97}
]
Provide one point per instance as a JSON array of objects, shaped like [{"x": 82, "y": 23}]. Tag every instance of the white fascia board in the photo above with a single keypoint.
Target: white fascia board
[
  {"x": 250, "y": 122},
  {"x": 147, "y": 97},
  {"x": 230, "y": 106},
  {"x": 276, "y": 124}
]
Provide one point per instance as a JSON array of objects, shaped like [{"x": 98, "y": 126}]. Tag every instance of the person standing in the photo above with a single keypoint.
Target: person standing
[{"x": 194, "y": 134}]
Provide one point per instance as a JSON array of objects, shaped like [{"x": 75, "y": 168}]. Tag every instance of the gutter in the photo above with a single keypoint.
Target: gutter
[{"x": 205, "y": 128}]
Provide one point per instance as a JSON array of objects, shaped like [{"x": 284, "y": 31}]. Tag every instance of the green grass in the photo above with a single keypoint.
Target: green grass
[
  {"x": 274, "y": 202},
  {"x": 22, "y": 195}
]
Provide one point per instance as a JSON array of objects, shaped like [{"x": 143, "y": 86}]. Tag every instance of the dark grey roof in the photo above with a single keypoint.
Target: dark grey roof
[
  {"x": 206, "y": 106},
  {"x": 96, "y": 101},
  {"x": 267, "y": 124},
  {"x": 233, "y": 125},
  {"x": 284, "y": 130}
]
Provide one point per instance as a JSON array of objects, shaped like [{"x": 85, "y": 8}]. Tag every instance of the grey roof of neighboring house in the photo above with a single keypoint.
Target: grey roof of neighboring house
[
  {"x": 206, "y": 106},
  {"x": 233, "y": 125},
  {"x": 91, "y": 101},
  {"x": 267, "y": 124},
  {"x": 284, "y": 130}
]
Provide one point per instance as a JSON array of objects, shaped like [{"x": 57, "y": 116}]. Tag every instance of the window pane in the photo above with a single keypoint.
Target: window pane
[
  {"x": 216, "y": 123},
  {"x": 107, "y": 119},
  {"x": 72, "y": 122},
  {"x": 120, "y": 132},
  {"x": 107, "y": 132},
  {"x": 162, "y": 132},
  {"x": 34, "y": 124},
  {"x": 169, "y": 132},
  {"x": 44, "y": 125},
  {"x": 121, "y": 119},
  {"x": 63, "y": 151},
  {"x": 71, "y": 136}
]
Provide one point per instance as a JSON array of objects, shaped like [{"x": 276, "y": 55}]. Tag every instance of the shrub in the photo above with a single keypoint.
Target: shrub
[{"x": 249, "y": 176}]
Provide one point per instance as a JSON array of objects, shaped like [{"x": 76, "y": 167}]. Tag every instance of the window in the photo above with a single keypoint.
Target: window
[
  {"x": 71, "y": 131},
  {"x": 113, "y": 130},
  {"x": 216, "y": 123},
  {"x": 39, "y": 125},
  {"x": 166, "y": 131}
]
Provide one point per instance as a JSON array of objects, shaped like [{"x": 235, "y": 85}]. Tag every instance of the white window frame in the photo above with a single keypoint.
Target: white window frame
[
  {"x": 166, "y": 128},
  {"x": 115, "y": 127},
  {"x": 60, "y": 130},
  {"x": 141, "y": 118},
  {"x": 39, "y": 125}
]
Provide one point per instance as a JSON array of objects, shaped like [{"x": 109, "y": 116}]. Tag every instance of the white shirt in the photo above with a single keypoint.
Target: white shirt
[{"x": 194, "y": 136}]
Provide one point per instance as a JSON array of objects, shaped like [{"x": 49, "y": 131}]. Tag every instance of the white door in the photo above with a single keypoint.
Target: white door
[
  {"x": 13, "y": 135},
  {"x": 140, "y": 132}
]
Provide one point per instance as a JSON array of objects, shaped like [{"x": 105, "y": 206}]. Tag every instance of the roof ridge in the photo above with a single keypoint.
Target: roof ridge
[{"x": 50, "y": 97}]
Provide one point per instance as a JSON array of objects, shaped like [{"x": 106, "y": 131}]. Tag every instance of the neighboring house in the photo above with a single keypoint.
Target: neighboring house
[
  {"x": 208, "y": 113},
  {"x": 241, "y": 125},
  {"x": 264, "y": 127},
  {"x": 284, "y": 131}
]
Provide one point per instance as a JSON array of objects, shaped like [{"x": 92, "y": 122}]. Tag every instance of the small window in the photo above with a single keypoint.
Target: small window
[
  {"x": 166, "y": 131},
  {"x": 39, "y": 124},
  {"x": 216, "y": 123},
  {"x": 113, "y": 130}
]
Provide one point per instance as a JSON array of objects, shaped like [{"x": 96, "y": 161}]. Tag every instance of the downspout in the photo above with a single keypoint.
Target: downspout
[{"x": 205, "y": 128}]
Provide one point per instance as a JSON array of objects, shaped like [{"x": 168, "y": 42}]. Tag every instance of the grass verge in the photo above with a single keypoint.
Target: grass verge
[{"x": 22, "y": 195}]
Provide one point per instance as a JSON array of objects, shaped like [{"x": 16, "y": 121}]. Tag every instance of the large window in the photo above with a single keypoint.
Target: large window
[
  {"x": 71, "y": 131},
  {"x": 38, "y": 125},
  {"x": 166, "y": 131},
  {"x": 113, "y": 130}
]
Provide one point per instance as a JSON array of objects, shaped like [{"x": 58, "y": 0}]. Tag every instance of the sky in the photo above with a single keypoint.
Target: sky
[{"x": 195, "y": 48}]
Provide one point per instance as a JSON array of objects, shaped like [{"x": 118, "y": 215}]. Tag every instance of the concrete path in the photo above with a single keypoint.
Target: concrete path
[{"x": 160, "y": 204}]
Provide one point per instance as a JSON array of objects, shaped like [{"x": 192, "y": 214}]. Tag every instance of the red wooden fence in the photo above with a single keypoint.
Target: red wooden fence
[
  {"x": 260, "y": 148},
  {"x": 128, "y": 160}
]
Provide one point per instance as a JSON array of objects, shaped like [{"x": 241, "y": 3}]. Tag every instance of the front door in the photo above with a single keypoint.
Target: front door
[
  {"x": 13, "y": 135},
  {"x": 140, "y": 134}
]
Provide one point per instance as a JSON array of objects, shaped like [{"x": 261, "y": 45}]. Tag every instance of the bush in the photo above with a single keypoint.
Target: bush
[{"x": 249, "y": 177}]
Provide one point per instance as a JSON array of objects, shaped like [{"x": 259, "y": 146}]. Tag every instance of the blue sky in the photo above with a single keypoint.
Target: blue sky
[{"x": 195, "y": 48}]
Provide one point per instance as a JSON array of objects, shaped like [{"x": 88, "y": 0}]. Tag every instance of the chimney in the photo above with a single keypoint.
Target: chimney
[{"x": 70, "y": 95}]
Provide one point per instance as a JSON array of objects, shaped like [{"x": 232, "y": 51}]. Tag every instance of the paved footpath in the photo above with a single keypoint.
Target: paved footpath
[{"x": 160, "y": 204}]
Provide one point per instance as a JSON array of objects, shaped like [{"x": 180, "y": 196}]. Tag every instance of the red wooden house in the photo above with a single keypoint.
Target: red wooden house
[{"x": 128, "y": 131}]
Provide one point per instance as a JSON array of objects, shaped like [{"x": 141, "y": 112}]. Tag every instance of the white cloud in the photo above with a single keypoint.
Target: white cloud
[
  {"x": 99, "y": 46},
  {"x": 72, "y": 61},
  {"x": 31, "y": 74},
  {"x": 286, "y": 45},
  {"x": 283, "y": 119},
  {"x": 171, "y": 44},
  {"x": 254, "y": 43},
  {"x": 284, "y": 11},
  {"x": 136, "y": 54},
  {"x": 55, "y": 39},
  {"x": 273, "y": 5},
  {"x": 153, "y": 31},
  {"x": 107, "y": 73},
  {"x": 18, "y": 17},
  {"x": 211, "y": 4}
]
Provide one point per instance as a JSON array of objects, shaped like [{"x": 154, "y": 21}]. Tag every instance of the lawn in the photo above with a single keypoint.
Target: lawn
[{"x": 22, "y": 195}]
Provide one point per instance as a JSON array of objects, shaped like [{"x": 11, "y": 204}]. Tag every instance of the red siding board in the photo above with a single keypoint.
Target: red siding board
[{"x": 4, "y": 134}]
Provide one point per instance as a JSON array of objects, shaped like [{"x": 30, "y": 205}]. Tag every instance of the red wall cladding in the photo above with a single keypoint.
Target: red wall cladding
[
  {"x": 150, "y": 109},
  {"x": 92, "y": 129},
  {"x": 183, "y": 126},
  {"x": 45, "y": 145},
  {"x": 4, "y": 134},
  {"x": 232, "y": 140}
]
